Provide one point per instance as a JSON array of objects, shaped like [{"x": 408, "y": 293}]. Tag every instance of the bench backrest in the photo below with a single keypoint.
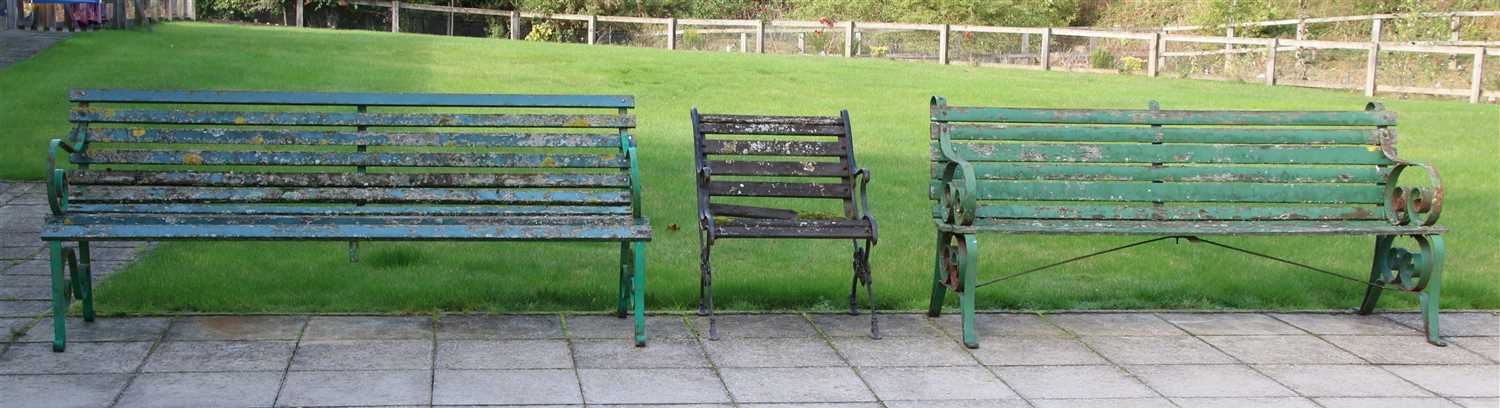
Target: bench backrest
[
  {"x": 1168, "y": 165},
  {"x": 403, "y": 154},
  {"x": 808, "y": 157}
]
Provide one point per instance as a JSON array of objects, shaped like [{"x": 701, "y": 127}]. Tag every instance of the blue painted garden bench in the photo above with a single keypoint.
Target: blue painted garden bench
[
  {"x": 1180, "y": 174},
  {"x": 260, "y": 166}
]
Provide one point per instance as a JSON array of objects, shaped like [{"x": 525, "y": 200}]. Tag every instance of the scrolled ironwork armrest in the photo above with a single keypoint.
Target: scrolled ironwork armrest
[
  {"x": 57, "y": 187},
  {"x": 705, "y": 217},
  {"x": 864, "y": 202},
  {"x": 1412, "y": 205}
]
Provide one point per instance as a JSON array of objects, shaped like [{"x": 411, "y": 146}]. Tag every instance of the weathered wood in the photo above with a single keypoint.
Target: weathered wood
[
  {"x": 1164, "y": 153},
  {"x": 365, "y": 210},
  {"x": 776, "y": 168},
  {"x": 216, "y": 179},
  {"x": 732, "y": 210},
  {"x": 771, "y": 129},
  {"x": 779, "y": 120},
  {"x": 1164, "y": 117},
  {"x": 1183, "y": 192},
  {"x": 498, "y": 232},
  {"x": 371, "y": 159},
  {"x": 350, "y": 99},
  {"x": 346, "y": 138},
  {"x": 1167, "y": 228},
  {"x": 1176, "y": 174},
  {"x": 1216, "y": 135},
  {"x": 773, "y": 148},
  {"x": 180, "y": 117},
  {"x": 777, "y": 189},
  {"x": 1179, "y": 212},
  {"x": 196, "y": 195}
]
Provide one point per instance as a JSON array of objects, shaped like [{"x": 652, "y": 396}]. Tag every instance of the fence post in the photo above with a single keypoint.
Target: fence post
[
  {"x": 1370, "y": 64},
  {"x": 1453, "y": 27},
  {"x": 1153, "y": 64},
  {"x": 593, "y": 28},
  {"x": 450, "y": 17},
  {"x": 1228, "y": 50},
  {"x": 299, "y": 12},
  {"x": 1047, "y": 49},
  {"x": 192, "y": 10},
  {"x": 744, "y": 42},
  {"x": 849, "y": 39},
  {"x": 1375, "y": 30},
  {"x": 515, "y": 24},
  {"x": 943, "y": 45},
  {"x": 395, "y": 16},
  {"x": 1301, "y": 35},
  {"x": 1476, "y": 84},
  {"x": 1271, "y": 61},
  {"x": 1025, "y": 43},
  {"x": 672, "y": 33},
  {"x": 760, "y": 37}
]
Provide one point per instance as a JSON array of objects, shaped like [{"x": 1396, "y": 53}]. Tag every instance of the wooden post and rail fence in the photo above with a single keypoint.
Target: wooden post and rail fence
[{"x": 119, "y": 13}]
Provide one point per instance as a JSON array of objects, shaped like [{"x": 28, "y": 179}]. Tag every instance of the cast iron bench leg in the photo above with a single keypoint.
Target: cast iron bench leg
[
  {"x": 1429, "y": 297},
  {"x": 623, "y": 306},
  {"x": 83, "y": 281},
  {"x": 60, "y": 294},
  {"x": 638, "y": 291},
  {"x": 967, "y": 258},
  {"x": 1429, "y": 266},
  {"x": 935, "y": 308}
]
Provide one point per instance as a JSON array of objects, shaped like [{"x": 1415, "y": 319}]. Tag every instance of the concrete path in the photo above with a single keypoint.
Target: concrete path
[
  {"x": 18, "y": 45},
  {"x": 1137, "y": 359}
]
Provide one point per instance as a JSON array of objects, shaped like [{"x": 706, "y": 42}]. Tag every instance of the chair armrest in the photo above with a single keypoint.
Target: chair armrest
[
  {"x": 959, "y": 186},
  {"x": 864, "y": 202},
  {"x": 705, "y": 215},
  {"x": 1413, "y": 204},
  {"x": 57, "y": 187}
]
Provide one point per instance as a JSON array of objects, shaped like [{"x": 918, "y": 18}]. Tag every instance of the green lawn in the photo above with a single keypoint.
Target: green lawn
[{"x": 888, "y": 104}]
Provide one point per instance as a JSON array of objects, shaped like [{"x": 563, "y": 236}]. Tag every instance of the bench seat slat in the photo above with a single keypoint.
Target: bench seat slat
[
  {"x": 776, "y": 168},
  {"x": 345, "y": 138},
  {"x": 369, "y": 210},
  {"x": 777, "y": 189},
  {"x": 350, "y": 99},
  {"x": 774, "y": 228},
  {"x": 764, "y": 119},
  {"x": 1179, "y": 153},
  {"x": 1180, "y": 192},
  {"x": 733, "y": 210},
  {"x": 1073, "y": 211},
  {"x": 222, "y": 179},
  {"x": 773, "y": 148},
  {"x": 770, "y": 129},
  {"x": 180, "y": 117},
  {"x": 1020, "y": 133},
  {"x": 1163, "y": 117},
  {"x": 371, "y": 159},
  {"x": 344, "y": 232},
  {"x": 1179, "y": 174},
  {"x": 187, "y": 195},
  {"x": 1075, "y": 227}
]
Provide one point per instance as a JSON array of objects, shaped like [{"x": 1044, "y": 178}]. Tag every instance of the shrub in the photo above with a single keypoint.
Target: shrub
[
  {"x": 1102, "y": 59},
  {"x": 1131, "y": 64},
  {"x": 693, "y": 40},
  {"x": 543, "y": 32}
]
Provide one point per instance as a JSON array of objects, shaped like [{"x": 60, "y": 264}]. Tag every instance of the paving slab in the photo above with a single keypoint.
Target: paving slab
[
  {"x": 1455, "y": 323},
  {"x": 801, "y": 385},
  {"x": 1208, "y": 381},
  {"x": 202, "y": 390},
  {"x": 1229, "y": 324},
  {"x": 500, "y": 327},
  {"x": 903, "y": 352},
  {"x": 757, "y": 326},
  {"x": 1345, "y": 324},
  {"x": 368, "y": 328},
  {"x": 1073, "y": 382},
  {"x": 237, "y": 328},
  {"x": 1115, "y": 324},
  {"x": 1342, "y": 381},
  {"x": 346, "y": 388},
  {"x": 111, "y": 329},
  {"x": 774, "y": 352},
  {"x": 1103, "y": 403},
  {"x": 1291, "y": 349},
  {"x": 1478, "y": 402},
  {"x": 1034, "y": 350},
  {"x": 1480, "y": 381},
  {"x": 363, "y": 355},
  {"x": 178, "y": 356},
  {"x": 518, "y": 387},
  {"x": 13, "y": 327},
  {"x": 1403, "y": 350},
  {"x": 22, "y": 308},
  {"x": 25, "y": 292},
  {"x": 1000, "y": 403},
  {"x": 81, "y": 358},
  {"x": 651, "y": 386},
  {"x": 502, "y": 354},
  {"x": 935, "y": 383},
  {"x": 610, "y": 327},
  {"x": 19, "y": 252},
  {"x": 1156, "y": 350},
  {"x": 894, "y": 325},
  {"x": 1489, "y": 347},
  {"x": 62, "y": 391},
  {"x": 1266, "y": 402},
  {"x": 997, "y": 324},
  {"x": 619, "y": 353},
  {"x": 1385, "y": 403}
]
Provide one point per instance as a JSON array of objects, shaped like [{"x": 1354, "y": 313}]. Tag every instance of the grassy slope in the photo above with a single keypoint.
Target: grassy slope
[{"x": 887, "y": 101}]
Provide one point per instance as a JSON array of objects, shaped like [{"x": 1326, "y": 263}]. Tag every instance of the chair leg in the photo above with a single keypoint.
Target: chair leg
[
  {"x": 706, "y": 288},
  {"x": 1430, "y": 296},
  {"x": 638, "y": 291},
  {"x": 59, "y": 297},
  {"x": 966, "y": 271},
  {"x": 622, "y": 307},
  {"x": 703, "y": 277},
  {"x": 862, "y": 273},
  {"x": 935, "y": 308},
  {"x": 83, "y": 278},
  {"x": 1379, "y": 268}
]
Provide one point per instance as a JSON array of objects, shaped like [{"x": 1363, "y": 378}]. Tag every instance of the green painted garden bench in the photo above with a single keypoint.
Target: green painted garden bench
[
  {"x": 1180, "y": 174},
  {"x": 262, "y": 166}
]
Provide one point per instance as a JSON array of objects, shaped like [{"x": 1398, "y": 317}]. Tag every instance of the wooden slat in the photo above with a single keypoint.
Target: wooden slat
[
  {"x": 1096, "y": 134},
  {"x": 732, "y": 210},
  {"x": 372, "y": 159},
  {"x": 771, "y": 129},
  {"x": 1180, "y": 174},
  {"x": 1177, "y": 153},
  {"x": 776, "y": 168},
  {"x": 782, "y": 120},
  {"x": 777, "y": 189},
  {"x": 1180, "y": 192},
  {"x": 284, "y": 220},
  {"x": 1079, "y": 211},
  {"x": 773, "y": 148},
  {"x": 117, "y": 232},
  {"x": 351, "y": 99},
  {"x": 1163, "y": 117},
  {"x": 193, "y": 195},
  {"x": 181, "y": 117},
  {"x": 344, "y": 138},
  {"x": 222, "y": 179},
  {"x": 368, "y": 210},
  {"x": 814, "y": 229},
  {"x": 1158, "y": 228}
]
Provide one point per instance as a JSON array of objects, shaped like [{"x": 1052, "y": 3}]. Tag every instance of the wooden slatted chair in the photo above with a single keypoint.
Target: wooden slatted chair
[
  {"x": 189, "y": 165},
  {"x": 785, "y": 157}
]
